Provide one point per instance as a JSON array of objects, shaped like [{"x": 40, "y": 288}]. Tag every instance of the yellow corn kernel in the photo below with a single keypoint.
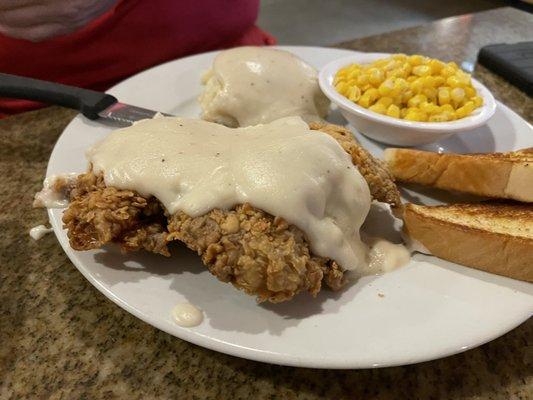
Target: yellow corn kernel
[
  {"x": 438, "y": 80},
  {"x": 373, "y": 94},
  {"x": 469, "y": 106},
  {"x": 398, "y": 101},
  {"x": 406, "y": 69},
  {"x": 410, "y": 116},
  {"x": 406, "y": 95},
  {"x": 380, "y": 63},
  {"x": 430, "y": 93},
  {"x": 447, "y": 71},
  {"x": 341, "y": 72},
  {"x": 415, "y": 60},
  {"x": 393, "y": 111},
  {"x": 465, "y": 110},
  {"x": 397, "y": 91},
  {"x": 415, "y": 115},
  {"x": 446, "y": 108},
  {"x": 385, "y": 101},
  {"x": 429, "y": 108},
  {"x": 376, "y": 76},
  {"x": 364, "y": 101},
  {"x": 392, "y": 64},
  {"x": 342, "y": 88},
  {"x": 425, "y": 107},
  {"x": 353, "y": 74},
  {"x": 415, "y": 101},
  {"x": 441, "y": 117},
  {"x": 428, "y": 81},
  {"x": 386, "y": 88},
  {"x": 477, "y": 100},
  {"x": 470, "y": 91},
  {"x": 454, "y": 82},
  {"x": 453, "y": 66},
  {"x": 460, "y": 113},
  {"x": 395, "y": 73},
  {"x": 417, "y": 85},
  {"x": 398, "y": 72},
  {"x": 362, "y": 80},
  {"x": 444, "y": 95},
  {"x": 351, "y": 82},
  {"x": 403, "y": 112},
  {"x": 342, "y": 83},
  {"x": 399, "y": 57},
  {"x": 354, "y": 93},
  {"x": 436, "y": 66},
  {"x": 463, "y": 76},
  {"x": 401, "y": 85},
  {"x": 378, "y": 108},
  {"x": 457, "y": 94},
  {"x": 421, "y": 70},
  {"x": 423, "y": 117},
  {"x": 339, "y": 86},
  {"x": 411, "y": 78}
]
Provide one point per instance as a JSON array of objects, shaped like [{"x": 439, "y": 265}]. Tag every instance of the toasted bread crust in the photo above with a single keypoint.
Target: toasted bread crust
[
  {"x": 471, "y": 243},
  {"x": 498, "y": 175}
]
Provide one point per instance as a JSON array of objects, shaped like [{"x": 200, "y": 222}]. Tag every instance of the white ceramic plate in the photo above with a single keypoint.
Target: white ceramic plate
[{"x": 426, "y": 310}]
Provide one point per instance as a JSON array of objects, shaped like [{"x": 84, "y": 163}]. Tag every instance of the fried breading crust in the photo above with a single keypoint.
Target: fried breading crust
[
  {"x": 258, "y": 253},
  {"x": 98, "y": 215},
  {"x": 379, "y": 179}
]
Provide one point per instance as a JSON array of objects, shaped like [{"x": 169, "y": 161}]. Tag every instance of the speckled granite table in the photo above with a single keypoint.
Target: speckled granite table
[{"x": 61, "y": 338}]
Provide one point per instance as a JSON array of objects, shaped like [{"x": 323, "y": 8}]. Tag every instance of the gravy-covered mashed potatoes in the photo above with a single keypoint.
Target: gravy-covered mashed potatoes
[{"x": 256, "y": 85}]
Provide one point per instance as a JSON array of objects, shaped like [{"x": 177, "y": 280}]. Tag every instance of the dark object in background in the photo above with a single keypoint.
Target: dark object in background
[{"x": 513, "y": 62}]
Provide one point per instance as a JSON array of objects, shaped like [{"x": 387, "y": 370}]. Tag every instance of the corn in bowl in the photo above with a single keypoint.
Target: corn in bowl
[{"x": 413, "y": 88}]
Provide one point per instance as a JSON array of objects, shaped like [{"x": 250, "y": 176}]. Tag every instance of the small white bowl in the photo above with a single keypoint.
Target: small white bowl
[{"x": 396, "y": 131}]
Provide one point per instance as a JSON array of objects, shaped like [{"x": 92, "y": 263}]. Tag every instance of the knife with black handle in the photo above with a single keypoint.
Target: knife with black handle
[{"x": 94, "y": 105}]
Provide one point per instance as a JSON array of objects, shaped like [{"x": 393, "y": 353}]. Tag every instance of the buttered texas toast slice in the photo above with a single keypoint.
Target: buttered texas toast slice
[
  {"x": 496, "y": 237},
  {"x": 498, "y": 175}
]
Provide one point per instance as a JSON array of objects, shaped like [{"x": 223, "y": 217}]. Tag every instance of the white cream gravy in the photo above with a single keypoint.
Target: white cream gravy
[
  {"x": 48, "y": 197},
  {"x": 187, "y": 315},
  {"x": 283, "y": 168},
  {"x": 256, "y": 85},
  {"x": 385, "y": 256},
  {"x": 37, "y": 232}
]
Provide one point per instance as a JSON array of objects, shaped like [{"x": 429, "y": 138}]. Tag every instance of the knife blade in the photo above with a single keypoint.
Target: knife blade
[
  {"x": 92, "y": 104},
  {"x": 125, "y": 114}
]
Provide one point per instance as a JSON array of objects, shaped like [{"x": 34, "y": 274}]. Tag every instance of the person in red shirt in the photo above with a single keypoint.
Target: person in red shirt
[{"x": 96, "y": 43}]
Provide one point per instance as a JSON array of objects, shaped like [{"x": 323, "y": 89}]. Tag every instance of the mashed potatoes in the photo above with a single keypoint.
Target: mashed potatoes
[{"x": 256, "y": 85}]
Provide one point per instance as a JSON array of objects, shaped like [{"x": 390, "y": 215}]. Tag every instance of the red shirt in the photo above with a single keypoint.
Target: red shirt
[{"x": 133, "y": 36}]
